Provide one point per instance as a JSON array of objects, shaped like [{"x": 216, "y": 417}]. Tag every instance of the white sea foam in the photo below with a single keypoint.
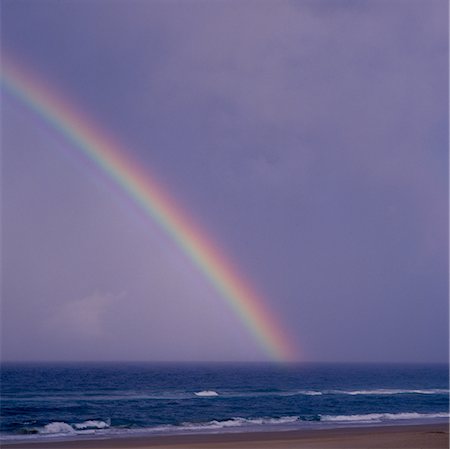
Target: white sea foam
[
  {"x": 435, "y": 391},
  {"x": 57, "y": 427},
  {"x": 377, "y": 392},
  {"x": 98, "y": 427},
  {"x": 238, "y": 422},
  {"x": 91, "y": 424},
  {"x": 258, "y": 394},
  {"x": 388, "y": 391},
  {"x": 206, "y": 393},
  {"x": 60, "y": 427},
  {"x": 379, "y": 417},
  {"x": 135, "y": 396},
  {"x": 309, "y": 393},
  {"x": 282, "y": 420},
  {"x": 295, "y": 393}
]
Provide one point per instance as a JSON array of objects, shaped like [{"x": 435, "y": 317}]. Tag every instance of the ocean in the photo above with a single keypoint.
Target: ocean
[{"x": 100, "y": 400}]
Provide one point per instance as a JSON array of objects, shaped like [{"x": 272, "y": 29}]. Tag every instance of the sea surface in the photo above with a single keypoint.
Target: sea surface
[{"x": 73, "y": 401}]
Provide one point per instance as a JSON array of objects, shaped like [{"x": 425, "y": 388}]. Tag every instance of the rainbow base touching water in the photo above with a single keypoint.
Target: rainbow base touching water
[{"x": 142, "y": 189}]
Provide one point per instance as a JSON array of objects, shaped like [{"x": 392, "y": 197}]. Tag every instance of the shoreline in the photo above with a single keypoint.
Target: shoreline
[{"x": 411, "y": 436}]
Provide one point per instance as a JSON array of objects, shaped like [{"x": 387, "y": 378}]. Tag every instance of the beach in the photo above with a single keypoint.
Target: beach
[{"x": 425, "y": 436}]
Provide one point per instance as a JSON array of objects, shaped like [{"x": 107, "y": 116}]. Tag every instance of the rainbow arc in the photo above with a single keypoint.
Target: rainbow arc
[{"x": 155, "y": 202}]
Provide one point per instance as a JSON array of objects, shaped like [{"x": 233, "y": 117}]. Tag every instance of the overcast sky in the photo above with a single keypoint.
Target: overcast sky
[{"x": 310, "y": 138}]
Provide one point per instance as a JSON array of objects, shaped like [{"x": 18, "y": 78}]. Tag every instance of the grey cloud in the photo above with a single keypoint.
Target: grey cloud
[{"x": 309, "y": 138}]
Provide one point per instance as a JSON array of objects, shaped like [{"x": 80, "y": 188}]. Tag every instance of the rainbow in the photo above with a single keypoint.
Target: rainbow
[{"x": 154, "y": 201}]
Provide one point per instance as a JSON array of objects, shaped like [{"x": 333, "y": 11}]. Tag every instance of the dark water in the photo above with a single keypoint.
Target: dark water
[{"x": 70, "y": 400}]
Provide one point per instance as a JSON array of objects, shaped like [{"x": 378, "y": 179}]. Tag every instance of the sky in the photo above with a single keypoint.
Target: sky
[{"x": 309, "y": 138}]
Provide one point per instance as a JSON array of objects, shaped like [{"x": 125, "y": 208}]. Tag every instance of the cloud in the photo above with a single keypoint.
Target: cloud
[
  {"x": 83, "y": 318},
  {"x": 310, "y": 137}
]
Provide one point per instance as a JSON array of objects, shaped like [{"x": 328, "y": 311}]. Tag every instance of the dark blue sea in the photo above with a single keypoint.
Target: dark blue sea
[{"x": 63, "y": 401}]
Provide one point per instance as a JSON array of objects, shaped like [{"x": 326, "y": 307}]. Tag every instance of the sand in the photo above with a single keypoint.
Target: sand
[{"x": 392, "y": 437}]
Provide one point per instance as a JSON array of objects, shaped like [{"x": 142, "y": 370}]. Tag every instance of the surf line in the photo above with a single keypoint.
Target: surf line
[{"x": 154, "y": 201}]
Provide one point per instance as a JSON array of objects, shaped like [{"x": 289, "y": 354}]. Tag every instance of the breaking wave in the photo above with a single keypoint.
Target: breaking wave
[
  {"x": 239, "y": 422},
  {"x": 92, "y": 424},
  {"x": 380, "y": 417},
  {"x": 206, "y": 394},
  {"x": 185, "y": 395},
  {"x": 57, "y": 427},
  {"x": 60, "y": 427},
  {"x": 388, "y": 391}
]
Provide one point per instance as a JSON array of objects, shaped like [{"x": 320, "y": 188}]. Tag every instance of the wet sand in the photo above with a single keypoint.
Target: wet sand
[{"x": 392, "y": 437}]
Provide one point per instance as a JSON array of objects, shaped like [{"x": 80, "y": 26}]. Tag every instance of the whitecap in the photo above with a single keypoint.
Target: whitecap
[
  {"x": 91, "y": 424},
  {"x": 389, "y": 391},
  {"x": 310, "y": 393},
  {"x": 238, "y": 422},
  {"x": 57, "y": 427},
  {"x": 206, "y": 393},
  {"x": 379, "y": 417}
]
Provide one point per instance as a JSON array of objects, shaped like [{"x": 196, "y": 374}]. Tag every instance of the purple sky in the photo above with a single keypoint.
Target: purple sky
[{"x": 310, "y": 138}]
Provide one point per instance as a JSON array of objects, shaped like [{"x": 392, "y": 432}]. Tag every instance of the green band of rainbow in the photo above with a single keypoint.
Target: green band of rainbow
[{"x": 142, "y": 189}]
